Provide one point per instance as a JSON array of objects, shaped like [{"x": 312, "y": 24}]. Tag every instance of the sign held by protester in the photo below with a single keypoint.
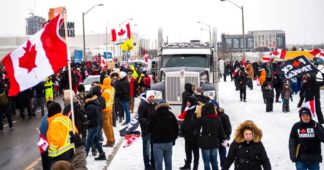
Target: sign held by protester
[{"x": 297, "y": 67}]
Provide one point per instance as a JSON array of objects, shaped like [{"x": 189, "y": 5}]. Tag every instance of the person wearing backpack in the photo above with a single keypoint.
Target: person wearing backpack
[{"x": 4, "y": 107}]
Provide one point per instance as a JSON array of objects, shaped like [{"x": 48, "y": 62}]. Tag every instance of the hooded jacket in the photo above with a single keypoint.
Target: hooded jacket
[
  {"x": 163, "y": 126},
  {"x": 262, "y": 77},
  {"x": 305, "y": 141},
  {"x": 124, "y": 93},
  {"x": 185, "y": 95},
  {"x": 250, "y": 71},
  {"x": 108, "y": 93},
  {"x": 247, "y": 155},
  {"x": 92, "y": 111},
  {"x": 210, "y": 127}
]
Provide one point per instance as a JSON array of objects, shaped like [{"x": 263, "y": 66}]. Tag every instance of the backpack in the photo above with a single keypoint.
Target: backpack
[{"x": 3, "y": 99}]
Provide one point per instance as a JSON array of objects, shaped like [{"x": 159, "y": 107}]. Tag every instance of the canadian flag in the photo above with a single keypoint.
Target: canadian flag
[
  {"x": 311, "y": 105},
  {"x": 103, "y": 62},
  {"x": 265, "y": 59},
  {"x": 122, "y": 33},
  {"x": 279, "y": 53},
  {"x": 42, "y": 55},
  {"x": 318, "y": 53},
  {"x": 42, "y": 143}
]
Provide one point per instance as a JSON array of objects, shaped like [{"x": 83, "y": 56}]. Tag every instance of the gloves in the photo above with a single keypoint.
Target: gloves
[
  {"x": 225, "y": 143},
  {"x": 76, "y": 139}
]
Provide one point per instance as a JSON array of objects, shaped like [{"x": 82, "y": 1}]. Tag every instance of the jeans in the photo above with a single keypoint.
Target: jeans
[
  {"x": 93, "y": 137},
  {"x": 147, "y": 150},
  {"x": 162, "y": 151},
  {"x": 307, "y": 166},
  {"x": 285, "y": 105},
  {"x": 125, "y": 106},
  {"x": 210, "y": 157},
  {"x": 4, "y": 110},
  {"x": 222, "y": 154}
]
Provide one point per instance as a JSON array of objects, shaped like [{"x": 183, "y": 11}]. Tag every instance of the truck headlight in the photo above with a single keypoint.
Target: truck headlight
[
  {"x": 211, "y": 94},
  {"x": 157, "y": 94}
]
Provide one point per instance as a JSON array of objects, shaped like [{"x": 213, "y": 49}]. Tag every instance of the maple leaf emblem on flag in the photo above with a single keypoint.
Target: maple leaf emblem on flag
[
  {"x": 27, "y": 61},
  {"x": 121, "y": 32},
  {"x": 296, "y": 64}
]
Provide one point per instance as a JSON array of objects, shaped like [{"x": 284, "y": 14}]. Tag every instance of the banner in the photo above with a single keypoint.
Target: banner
[{"x": 297, "y": 67}]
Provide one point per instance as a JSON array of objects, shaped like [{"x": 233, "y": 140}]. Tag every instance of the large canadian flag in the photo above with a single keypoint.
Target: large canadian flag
[
  {"x": 42, "y": 55},
  {"x": 279, "y": 53},
  {"x": 121, "y": 34}
]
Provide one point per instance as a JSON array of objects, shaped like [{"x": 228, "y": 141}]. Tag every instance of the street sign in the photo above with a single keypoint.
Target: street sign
[
  {"x": 107, "y": 55},
  {"x": 77, "y": 56}
]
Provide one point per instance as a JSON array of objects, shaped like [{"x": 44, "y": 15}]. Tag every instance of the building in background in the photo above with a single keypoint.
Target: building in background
[
  {"x": 34, "y": 23},
  {"x": 256, "y": 41}
]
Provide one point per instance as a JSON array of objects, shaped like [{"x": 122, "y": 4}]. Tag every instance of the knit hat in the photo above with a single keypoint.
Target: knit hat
[
  {"x": 208, "y": 108},
  {"x": 214, "y": 102},
  {"x": 122, "y": 74},
  {"x": 304, "y": 110},
  {"x": 162, "y": 103},
  {"x": 149, "y": 93}
]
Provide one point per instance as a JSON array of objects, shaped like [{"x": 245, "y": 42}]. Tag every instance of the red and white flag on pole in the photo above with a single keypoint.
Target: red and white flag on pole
[
  {"x": 318, "y": 53},
  {"x": 103, "y": 62},
  {"x": 123, "y": 33},
  {"x": 265, "y": 59},
  {"x": 42, "y": 143},
  {"x": 279, "y": 53},
  {"x": 311, "y": 105},
  {"x": 42, "y": 55}
]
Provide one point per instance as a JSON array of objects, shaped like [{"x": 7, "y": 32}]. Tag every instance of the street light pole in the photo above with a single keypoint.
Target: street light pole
[
  {"x": 83, "y": 32},
  {"x": 107, "y": 37},
  {"x": 209, "y": 30},
  {"x": 243, "y": 33}
]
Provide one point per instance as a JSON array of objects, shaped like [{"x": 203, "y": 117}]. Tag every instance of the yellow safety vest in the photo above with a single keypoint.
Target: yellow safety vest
[
  {"x": 110, "y": 101},
  {"x": 54, "y": 151}
]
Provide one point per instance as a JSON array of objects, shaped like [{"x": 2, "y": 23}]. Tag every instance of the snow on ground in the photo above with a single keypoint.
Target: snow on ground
[{"x": 275, "y": 125}]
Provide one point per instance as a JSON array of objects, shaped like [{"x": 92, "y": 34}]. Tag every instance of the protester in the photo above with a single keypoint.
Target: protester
[
  {"x": 285, "y": 96},
  {"x": 247, "y": 151},
  {"x": 305, "y": 142},
  {"x": 40, "y": 97},
  {"x": 190, "y": 133},
  {"x": 164, "y": 131},
  {"x": 242, "y": 84},
  {"x": 4, "y": 109},
  {"x": 268, "y": 94},
  {"x": 211, "y": 135},
  {"x": 145, "y": 112},
  {"x": 250, "y": 75},
  {"x": 125, "y": 95},
  {"x": 108, "y": 93},
  {"x": 185, "y": 95}
]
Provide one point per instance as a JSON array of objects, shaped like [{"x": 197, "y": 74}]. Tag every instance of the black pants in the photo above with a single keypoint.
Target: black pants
[
  {"x": 224, "y": 77},
  {"x": 46, "y": 161},
  {"x": 222, "y": 154},
  {"x": 249, "y": 83},
  {"x": 285, "y": 105},
  {"x": 269, "y": 104},
  {"x": 243, "y": 94},
  {"x": 278, "y": 92},
  {"x": 192, "y": 147},
  {"x": 4, "y": 110},
  {"x": 319, "y": 111}
]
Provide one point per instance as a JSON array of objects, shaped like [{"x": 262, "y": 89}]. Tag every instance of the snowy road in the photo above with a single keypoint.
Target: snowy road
[{"x": 276, "y": 127}]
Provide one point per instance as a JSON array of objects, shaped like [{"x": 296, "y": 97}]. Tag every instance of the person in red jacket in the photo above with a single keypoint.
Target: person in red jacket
[{"x": 132, "y": 82}]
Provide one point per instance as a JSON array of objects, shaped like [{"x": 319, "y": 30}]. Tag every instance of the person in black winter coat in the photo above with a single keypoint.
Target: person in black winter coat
[
  {"x": 247, "y": 151},
  {"x": 211, "y": 135},
  {"x": 242, "y": 84},
  {"x": 125, "y": 95},
  {"x": 190, "y": 133},
  {"x": 228, "y": 130},
  {"x": 268, "y": 94},
  {"x": 185, "y": 95},
  {"x": 40, "y": 97},
  {"x": 24, "y": 101},
  {"x": 92, "y": 111},
  {"x": 310, "y": 90},
  {"x": 278, "y": 85},
  {"x": 117, "y": 108},
  {"x": 145, "y": 112},
  {"x": 305, "y": 141},
  {"x": 164, "y": 131}
]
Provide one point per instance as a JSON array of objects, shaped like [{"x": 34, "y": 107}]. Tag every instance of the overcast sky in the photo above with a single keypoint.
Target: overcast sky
[{"x": 302, "y": 20}]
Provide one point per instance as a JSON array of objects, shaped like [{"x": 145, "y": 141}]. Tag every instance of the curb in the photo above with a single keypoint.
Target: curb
[{"x": 115, "y": 150}]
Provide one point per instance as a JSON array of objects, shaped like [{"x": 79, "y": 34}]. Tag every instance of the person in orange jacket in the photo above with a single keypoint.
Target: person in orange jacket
[
  {"x": 58, "y": 134},
  {"x": 108, "y": 93}
]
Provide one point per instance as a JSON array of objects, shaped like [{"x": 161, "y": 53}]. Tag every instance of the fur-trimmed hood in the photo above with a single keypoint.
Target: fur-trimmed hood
[
  {"x": 257, "y": 132},
  {"x": 163, "y": 105}
]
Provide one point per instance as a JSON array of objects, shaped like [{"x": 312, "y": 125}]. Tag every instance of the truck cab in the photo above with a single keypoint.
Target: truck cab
[{"x": 182, "y": 63}]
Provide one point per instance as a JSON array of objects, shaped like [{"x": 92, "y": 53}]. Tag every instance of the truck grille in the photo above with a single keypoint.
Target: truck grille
[{"x": 175, "y": 85}]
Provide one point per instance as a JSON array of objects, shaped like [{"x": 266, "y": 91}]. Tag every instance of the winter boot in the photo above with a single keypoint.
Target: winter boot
[
  {"x": 101, "y": 156},
  {"x": 186, "y": 166}
]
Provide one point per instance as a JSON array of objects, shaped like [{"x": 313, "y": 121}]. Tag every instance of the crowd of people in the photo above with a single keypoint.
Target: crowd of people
[{"x": 205, "y": 126}]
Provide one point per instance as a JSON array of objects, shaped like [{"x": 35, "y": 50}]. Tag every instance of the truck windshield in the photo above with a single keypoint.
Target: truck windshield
[{"x": 196, "y": 60}]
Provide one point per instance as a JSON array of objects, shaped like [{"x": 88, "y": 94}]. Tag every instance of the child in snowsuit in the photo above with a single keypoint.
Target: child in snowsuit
[{"x": 285, "y": 95}]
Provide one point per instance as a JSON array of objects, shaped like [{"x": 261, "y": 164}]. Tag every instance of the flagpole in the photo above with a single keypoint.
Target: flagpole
[{"x": 69, "y": 67}]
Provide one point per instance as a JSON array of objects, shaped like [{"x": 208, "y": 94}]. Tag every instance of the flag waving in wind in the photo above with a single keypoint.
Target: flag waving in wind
[
  {"x": 42, "y": 55},
  {"x": 121, "y": 34}
]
